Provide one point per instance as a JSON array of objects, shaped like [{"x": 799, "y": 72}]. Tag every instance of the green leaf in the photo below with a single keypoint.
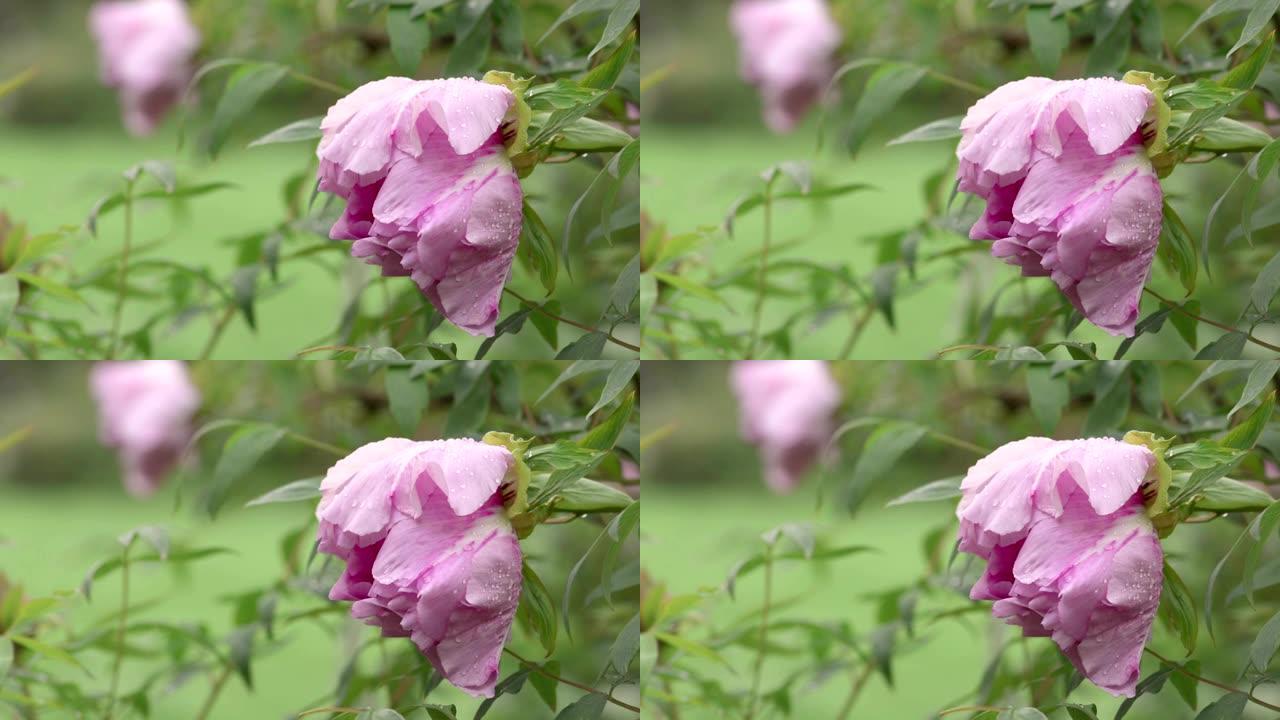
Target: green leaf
[
  {"x": 579, "y": 7},
  {"x": 885, "y": 446},
  {"x": 407, "y": 397},
  {"x": 545, "y": 686},
  {"x": 944, "y": 129},
  {"x": 605, "y": 74},
  {"x": 1264, "y": 526},
  {"x": 691, "y": 287},
  {"x": 1024, "y": 713},
  {"x": 1228, "y": 347},
  {"x": 625, "y": 647},
  {"x": 886, "y": 86},
  {"x": 241, "y": 452},
  {"x": 618, "y": 22},
  {"x": 1258, "y": 18},
  {"x": 241, "y": 644},
  {"x": 1225, "y": 495},
  {"x": 1226, "y": 135},
  {"x": 1245, "y": 74},
  {"x": 1219, "y": 7},
  {"x": 6, "y": 656},
  {"x": 588, "y": 346},
  {"x": 1186, "y": 685},
  {"x": 1178, "y": 249},
  {"x": 588, "y": 707},
  {"x": 1245, "y": 435},
  {"x": 51, "y": 287},
  {"x": 691, "y": 647},
  {"x": 1178, "y": 609},
  {"x": 1049, "y": 36},
  {"x": 581, "y": 367},
  {"x": 1227, "y": 707},
  {"x": 8, "y": 300},
  {"x": 537, "y": 611},
  {"x": 583, "y": 496},
  {"x": 1266, "y": 285},
  {"x": 586, "y": 135},
  {"x": 409, "y": 35},
  {"x": 1260, "y": 169},
  {"x": 538, "y": 247},
  {"x": 943, "y": 489},
  {"x": 50, "y": 651},
  {"x": 1266, "y": 644},
  {"x": 245, "y": 87},
  {"x": 296, "y": 131},
  {"x": 618, "y": 380},
  {"x": 304, "y": 489},
  {"x": 1049, "y": 395},
  {"x": 1259, "y": 379}
]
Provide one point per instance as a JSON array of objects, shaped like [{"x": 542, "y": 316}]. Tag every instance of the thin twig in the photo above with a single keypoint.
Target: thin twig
[
  {"x": 1248, "y": 335},
  {"x": 758, "y": 670},
  {"x": 541, "y": 311},
  {"x": 763, "y": 277},
  {"x": 214, "y": 691},
  {"x": 858, "y": 683},
  {"x": 317, "y": 82},
  {"x": 218, "y": 329},
  {"x": 121, "y": 626},
  {"x": 863, "y": 320},
  {"x": 1254, "y": 699},
  {"x": 586, "y": 688},
  {"x": 317, "y": 444},
  {"x": 123, "y": 272}
]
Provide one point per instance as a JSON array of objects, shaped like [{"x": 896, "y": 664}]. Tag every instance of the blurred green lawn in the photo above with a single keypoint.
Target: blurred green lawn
[
  {"x": 692, "y": 176},
  {"x": 53, "y": 177}
]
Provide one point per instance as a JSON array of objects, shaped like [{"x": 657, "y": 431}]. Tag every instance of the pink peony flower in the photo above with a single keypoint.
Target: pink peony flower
[
  {"x": 430, "y": 191},
  {"x": 785, "y": 408},
  {"x": 1071, "y": 553},
  {"x": 145, "y": 49},
  {"x": 785, "y": 50},
  {"x": 430, "y": 552},
  {"x": 1070, "y": 191},
  {"x": 144, "y": 411}
]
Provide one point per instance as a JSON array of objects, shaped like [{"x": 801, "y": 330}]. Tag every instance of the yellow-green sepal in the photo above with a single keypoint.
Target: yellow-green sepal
[
  {"x": 1155, "y": 489},
  {"x": 519, "y": 478},
  {"x": 519, "y": 113},
  {"x": 1158, "y": 115}
]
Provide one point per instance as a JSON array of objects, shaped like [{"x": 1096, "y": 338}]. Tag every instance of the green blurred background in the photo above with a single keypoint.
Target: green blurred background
[
  {"x": 707, "y": 504},
  {"x": 62, "y": 507},
  {"x": 62, "y": 148},
  {"x": 706, "y": 146}
]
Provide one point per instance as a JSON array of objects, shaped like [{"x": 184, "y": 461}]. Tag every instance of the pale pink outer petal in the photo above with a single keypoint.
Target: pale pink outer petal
[
  {"x": 786, "y": 409},
  {"x": 1070, "y": 190},
  {"x": 431, "y": 192},
  {"x": 1071, "y": 552}
]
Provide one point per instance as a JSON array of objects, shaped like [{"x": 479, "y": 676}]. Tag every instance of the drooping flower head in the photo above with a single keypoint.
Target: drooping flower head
[
  {"x": 145, "y": 49},
  {"x": 785, "y": 50},
  {"x": 1071, "y": 193},
  {"x": 144, "y": 411},
  {"x": 431, "y": 193},
  {"x": 785, "y": 408},
  {"x": 430, "y": 552},
  {"x": 1071, "y": 552}
]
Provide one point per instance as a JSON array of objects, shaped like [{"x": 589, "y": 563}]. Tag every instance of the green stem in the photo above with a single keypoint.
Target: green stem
[
  {"x": 957, "y": 442},
  {"x": 957, "y": 82},
  {"x": 214, "y": 692},
  {"x": 859, "y": 682},
  {"x": 763, "y": 277},
  {"x": 123, "y": 275},
  {"x": 539, "y": 309},
  {"x": 317, "y": 82},
  {"x": 1248, "y": 335},
  {"x": 758, "y": 671},
  {"x": 1207, "y": 681},
  {"x": 317, "y": 444},
  {"x": 218, "y": 329},
  {"x": 121, "y": 627},
  {"x": 858, "y": 327},
  {"x": 585, "y": 688}
]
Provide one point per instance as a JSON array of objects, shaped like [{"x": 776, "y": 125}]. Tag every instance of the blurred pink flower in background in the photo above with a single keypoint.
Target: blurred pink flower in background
[
  {"x": 785, "y": 50},
  {"x": 145, "y": 409},
  {"x": 786, "y": 409},
  {"x": 430, "y": 552},
  {"x": 1071, "y": 553},
  {"x": 145, "y": 49},
  {"x": 430, "y": 191},
  {"x": 1071, "y": 193}
]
